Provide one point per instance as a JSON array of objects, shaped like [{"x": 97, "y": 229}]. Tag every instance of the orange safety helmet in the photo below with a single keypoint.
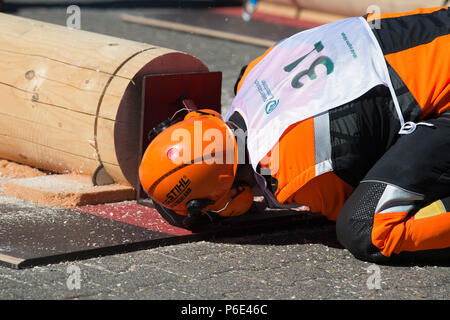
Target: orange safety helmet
[{"x": 189, "y": 170}]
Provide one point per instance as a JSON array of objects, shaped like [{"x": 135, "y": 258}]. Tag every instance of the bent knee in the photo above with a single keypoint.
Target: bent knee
[
  {"x": 358, "y": 230},
  {"x": 355, "y": 222}
]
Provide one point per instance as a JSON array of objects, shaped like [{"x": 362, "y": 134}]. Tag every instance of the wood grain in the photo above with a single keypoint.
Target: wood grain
[{"x": 70, "y": 100}]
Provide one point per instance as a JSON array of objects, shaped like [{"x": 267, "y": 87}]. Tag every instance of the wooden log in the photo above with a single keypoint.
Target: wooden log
[{"x": 70, "y": 100}]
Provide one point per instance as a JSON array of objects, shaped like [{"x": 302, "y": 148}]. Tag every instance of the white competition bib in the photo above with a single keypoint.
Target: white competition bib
[{"x": 307, "y": 74}]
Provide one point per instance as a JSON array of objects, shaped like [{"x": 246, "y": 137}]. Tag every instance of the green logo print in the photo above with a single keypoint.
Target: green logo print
[{"x": 271, "y": 105}]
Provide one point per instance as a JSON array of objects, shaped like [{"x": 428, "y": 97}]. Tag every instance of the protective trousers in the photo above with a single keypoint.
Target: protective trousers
[{"x": 385, "y": 217}]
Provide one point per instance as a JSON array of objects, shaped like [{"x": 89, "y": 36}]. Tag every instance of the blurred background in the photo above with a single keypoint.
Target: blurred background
[
  {"x": 299, "y": 9},
  {"x": 224, "y": 34}
]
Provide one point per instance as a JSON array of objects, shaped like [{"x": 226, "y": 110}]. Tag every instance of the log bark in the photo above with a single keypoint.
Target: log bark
[{"x": 70, "y": 100}]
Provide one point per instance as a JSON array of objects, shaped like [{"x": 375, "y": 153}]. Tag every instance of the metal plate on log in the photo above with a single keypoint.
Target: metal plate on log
[{"x": 163, "y": 95}]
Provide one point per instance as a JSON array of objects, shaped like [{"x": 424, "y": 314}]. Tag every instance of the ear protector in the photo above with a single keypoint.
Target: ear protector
[{"x": 175, "y": 119}]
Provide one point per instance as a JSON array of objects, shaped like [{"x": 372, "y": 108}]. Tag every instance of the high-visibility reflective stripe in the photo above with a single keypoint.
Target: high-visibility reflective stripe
[
  {"x": 396, "y": 199},
  {"x": 322, "y": 143}
]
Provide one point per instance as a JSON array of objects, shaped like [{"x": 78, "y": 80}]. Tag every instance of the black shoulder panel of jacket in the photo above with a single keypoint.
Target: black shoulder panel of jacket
[
  {"x": 360, "y": 132},
  {"x": 401, "y": 33},
  {"x": 239, "y": 78},
  {"x": 237, "y": 119}
]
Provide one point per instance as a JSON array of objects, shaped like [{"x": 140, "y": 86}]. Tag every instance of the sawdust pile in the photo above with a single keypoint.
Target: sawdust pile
[{"x": 13, "y": 170}]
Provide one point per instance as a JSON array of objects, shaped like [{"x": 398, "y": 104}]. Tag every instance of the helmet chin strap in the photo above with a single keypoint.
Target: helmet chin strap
[
  {"x": 239, "y": 189},
  {"x": 217, "y": 211}
]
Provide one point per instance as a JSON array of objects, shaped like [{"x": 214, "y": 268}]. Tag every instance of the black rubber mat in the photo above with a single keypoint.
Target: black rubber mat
[
  {"x": 39, "y": 235},
  {"x": 32, "y": 235}
]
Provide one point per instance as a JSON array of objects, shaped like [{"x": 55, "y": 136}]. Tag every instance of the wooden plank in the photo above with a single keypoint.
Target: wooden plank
[
  {"x": 197, "y": 30},
  {"x": 66, "y": 190},
  {"x": 297, "y": 12},
  {"x": 11, "y": 261}
]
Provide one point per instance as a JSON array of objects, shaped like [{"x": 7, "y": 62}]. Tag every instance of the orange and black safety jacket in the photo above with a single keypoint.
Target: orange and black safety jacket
[{"x": 358, "y": 133}]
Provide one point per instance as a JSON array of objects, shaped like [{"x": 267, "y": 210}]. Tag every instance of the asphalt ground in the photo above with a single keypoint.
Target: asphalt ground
[{"x": 302, "y": 262}]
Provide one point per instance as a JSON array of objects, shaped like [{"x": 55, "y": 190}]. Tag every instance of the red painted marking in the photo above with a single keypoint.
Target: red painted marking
[
  {"x": 271, "y": 18},
  {"x": 133, "y": 213}
]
